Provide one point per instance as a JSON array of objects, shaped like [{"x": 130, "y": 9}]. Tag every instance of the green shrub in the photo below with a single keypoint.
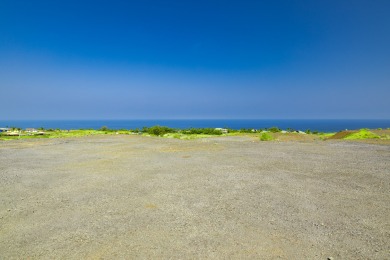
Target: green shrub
[
  {"x": 159, "y": 130},
  {"x": 266, "y": 137},
  {"x": 232, "y": 130},
  {"x": 246, "y": 130},
  {"x": 274, "y": 129}
]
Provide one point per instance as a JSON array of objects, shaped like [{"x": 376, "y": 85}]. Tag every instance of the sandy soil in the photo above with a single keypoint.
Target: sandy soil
[{"x": 221, "y": 198}]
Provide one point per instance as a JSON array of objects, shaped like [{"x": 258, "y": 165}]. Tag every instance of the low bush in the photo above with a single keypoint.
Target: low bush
[
  {"x": 246, "y": 130},
  {"x": 274, "y": 129},
  {"x": 158, "y": 130},
  {"x": 266, "y": 137}
]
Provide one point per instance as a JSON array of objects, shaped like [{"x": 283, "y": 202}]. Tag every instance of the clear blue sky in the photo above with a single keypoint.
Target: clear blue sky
[{"x": 194, "y": 59}]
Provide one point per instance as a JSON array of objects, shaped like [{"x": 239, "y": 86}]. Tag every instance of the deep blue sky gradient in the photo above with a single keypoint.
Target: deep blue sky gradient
[{"x": 194, "y": 59}]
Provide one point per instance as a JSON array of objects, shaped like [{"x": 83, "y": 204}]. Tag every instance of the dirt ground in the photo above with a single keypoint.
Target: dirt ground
[{"x": 109, "y": 197}]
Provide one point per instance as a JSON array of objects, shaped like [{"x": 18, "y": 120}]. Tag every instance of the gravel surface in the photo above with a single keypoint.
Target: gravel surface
[{"x": 221, "y": 198}]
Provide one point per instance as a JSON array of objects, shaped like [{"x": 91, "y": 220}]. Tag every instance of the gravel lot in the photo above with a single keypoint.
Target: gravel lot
[{"x": 222, "y": 198}]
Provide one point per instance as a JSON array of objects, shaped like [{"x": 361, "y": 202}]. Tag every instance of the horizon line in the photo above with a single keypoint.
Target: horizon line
[{"x": 148, "y": 119}]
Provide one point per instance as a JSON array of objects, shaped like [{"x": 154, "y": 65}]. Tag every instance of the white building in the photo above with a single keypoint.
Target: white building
[{"x": 223, "y": 130}]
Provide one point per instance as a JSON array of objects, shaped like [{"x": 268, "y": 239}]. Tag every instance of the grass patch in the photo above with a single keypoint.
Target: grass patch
[
  {"x": 325, "y": 135},
  {"x": 187, "y": 136},
  {"x": 16, "y": 137},
  {"x": 63, "y": 134},
  {"x": 362, "y": 134}
]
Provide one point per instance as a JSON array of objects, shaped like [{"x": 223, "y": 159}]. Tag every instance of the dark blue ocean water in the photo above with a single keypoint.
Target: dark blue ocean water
[{"x": 327, "y": 125}]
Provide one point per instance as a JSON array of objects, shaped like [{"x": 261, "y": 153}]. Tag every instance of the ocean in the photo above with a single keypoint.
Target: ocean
[{"x": 322, "y": 125}]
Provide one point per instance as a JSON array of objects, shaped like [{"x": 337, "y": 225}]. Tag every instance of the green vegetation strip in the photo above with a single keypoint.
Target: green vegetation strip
[{"x": 184, "y": 134}]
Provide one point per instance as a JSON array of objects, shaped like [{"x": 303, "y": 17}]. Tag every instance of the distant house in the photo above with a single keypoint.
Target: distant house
[
  {"x": 223, "y": 130},
  {"x": 31, "y": 130},
  {"x": 4, "y": 129}
]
